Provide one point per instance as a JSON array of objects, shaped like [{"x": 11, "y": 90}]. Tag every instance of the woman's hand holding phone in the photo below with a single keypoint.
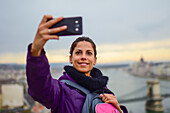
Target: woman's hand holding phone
[{"x": 44, "y": 34}]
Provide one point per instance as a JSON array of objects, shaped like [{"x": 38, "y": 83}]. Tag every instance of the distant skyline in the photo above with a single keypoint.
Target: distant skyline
[{"x": 122, "y": 30}]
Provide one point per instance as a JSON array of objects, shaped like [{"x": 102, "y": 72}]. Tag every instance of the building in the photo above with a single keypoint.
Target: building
[{"x": 12, "y": 95}]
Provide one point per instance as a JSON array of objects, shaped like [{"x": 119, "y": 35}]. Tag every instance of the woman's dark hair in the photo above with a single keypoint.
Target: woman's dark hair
[{"x": 74, "y": 44}]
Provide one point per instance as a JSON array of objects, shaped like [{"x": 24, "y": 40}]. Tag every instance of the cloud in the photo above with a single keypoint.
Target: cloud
[
  {"x": 135, "y": 46},
  {"x": 113, "y": 20},
  {"x": 153, "y": 50}
]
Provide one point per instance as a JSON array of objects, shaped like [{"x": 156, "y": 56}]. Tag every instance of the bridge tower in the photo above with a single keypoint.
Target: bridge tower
[{"x": 154, "y": 98}]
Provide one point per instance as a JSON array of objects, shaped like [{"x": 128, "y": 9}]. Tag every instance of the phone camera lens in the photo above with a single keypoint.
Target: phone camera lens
[
  {"x": 76, "y": 21},
  {"x": 77, "y": 29}
]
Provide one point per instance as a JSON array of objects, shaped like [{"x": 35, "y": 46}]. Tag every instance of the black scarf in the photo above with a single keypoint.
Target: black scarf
[{"x": 96, "y": 82}]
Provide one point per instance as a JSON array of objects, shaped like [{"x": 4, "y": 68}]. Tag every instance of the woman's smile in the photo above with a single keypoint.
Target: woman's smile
[{"x": 83, "y": 63}]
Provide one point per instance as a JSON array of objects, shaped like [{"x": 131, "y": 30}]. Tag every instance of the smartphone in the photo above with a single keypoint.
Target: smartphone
[{"x": 74, "y": 26}]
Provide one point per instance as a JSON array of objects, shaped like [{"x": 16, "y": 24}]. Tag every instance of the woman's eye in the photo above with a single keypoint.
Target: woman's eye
[
  {"x": 77, "y": 52},
  {"x": 89, "y": 53}
]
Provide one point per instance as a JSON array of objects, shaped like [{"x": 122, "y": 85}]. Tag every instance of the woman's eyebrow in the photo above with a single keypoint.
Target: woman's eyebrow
[
  {"x": 81, "y": 49},
  {"x": 78, "y": 49},
  {"x": 89, "y": 50}
]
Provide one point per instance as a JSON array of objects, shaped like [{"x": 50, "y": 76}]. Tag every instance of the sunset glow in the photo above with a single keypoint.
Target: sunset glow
[{"x": 107, "y": 53}]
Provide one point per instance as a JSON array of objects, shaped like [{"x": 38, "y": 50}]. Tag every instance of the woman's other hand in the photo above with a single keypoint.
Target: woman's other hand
[
  {"x": 110, "y": 98},
  {"x": 44, "y": 34}
]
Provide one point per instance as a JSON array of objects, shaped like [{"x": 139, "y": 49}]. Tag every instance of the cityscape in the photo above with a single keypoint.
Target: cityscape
[
  {"x": 13, "y": 91},
  {"x": 143, "y": 68},
  {"x": 13, "y": 85}
]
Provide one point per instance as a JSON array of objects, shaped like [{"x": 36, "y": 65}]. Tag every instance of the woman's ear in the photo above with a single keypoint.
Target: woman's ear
[
  {"x": 70, "y": 59},
  {"x": 95, "y": 61}
]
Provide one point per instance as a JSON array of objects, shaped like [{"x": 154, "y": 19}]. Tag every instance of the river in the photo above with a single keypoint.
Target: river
[{"x": 122, "y": 83}]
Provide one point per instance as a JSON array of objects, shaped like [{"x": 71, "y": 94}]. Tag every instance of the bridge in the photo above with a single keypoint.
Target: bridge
[
  {"x": 151, "y": 93},
  {"x": 137, "y": 99},
  {"x": 123, "y": 99}
]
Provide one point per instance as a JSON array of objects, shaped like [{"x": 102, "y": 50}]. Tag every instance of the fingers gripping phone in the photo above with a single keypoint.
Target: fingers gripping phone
[{"x": 74, "y": 26}]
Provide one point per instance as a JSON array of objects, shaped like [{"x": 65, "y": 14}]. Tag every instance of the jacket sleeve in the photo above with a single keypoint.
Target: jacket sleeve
[{"x": 41, "y": 86}]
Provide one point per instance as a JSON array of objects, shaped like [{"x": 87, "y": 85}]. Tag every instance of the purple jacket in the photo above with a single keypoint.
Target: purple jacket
[
  {"x": 48, "y": 91},
  {"x": 51, "y": 92}
]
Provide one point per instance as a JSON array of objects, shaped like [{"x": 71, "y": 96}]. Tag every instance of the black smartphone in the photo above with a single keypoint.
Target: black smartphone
[{"x": 74, "y": 26}]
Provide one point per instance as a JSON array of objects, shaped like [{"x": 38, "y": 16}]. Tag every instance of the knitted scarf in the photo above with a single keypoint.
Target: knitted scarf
[{"x": 96, "y": 82}]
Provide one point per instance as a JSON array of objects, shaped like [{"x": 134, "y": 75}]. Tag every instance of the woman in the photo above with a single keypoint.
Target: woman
[{"x": 53, "y": 93}]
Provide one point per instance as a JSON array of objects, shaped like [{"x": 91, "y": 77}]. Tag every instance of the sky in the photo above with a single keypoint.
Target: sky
[{"x": 123, "y": 30}]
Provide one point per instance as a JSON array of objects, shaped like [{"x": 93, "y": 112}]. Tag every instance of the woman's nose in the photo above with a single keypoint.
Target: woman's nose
[{"x": 83, "y": 57}]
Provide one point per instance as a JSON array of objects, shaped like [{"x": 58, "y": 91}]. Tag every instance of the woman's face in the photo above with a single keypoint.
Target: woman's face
[{"x": 83, "y": 57}]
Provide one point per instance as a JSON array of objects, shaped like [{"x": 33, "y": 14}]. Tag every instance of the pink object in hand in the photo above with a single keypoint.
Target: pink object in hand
[{"x": 106, "y": 108}]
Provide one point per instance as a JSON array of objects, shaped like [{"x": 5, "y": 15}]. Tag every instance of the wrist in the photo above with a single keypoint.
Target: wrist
[{"x": 35, "y": 52}]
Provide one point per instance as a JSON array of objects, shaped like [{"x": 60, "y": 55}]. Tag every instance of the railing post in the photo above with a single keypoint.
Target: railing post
[{"x": 154, "y": 98}]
